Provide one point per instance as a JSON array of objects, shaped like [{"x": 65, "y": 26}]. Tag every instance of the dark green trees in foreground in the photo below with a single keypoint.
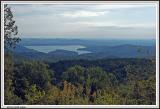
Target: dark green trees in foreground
[
  {"x": 10, "y": 41},
  {"x": 9, "y": 96},
  {"x": 33, "y": 82}
]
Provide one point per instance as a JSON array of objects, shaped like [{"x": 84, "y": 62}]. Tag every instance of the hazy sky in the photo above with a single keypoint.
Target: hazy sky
[{"x": 86, "y": 21}]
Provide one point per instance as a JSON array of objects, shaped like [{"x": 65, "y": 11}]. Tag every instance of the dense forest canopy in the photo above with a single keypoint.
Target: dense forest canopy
[{"x": 83, "y": 82}]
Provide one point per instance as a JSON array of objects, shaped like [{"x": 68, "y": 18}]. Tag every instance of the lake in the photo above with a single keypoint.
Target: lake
[{"x": 49, "y": 48}]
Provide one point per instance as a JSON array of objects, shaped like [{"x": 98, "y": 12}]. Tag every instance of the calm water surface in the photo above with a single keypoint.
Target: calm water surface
[{"x": 49, "y": 48}]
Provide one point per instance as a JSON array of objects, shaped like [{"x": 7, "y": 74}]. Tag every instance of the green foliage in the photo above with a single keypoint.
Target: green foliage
[
  {"x": 100, "y": 78},
  {"x": 108, "y": 97},
  {"x": 33, "y": 72},
  {"x": 8, "y": 76},
  {"x": 74, "y": 75},
  {"x": 92, "y": 75},
  {"x": 52, "y": 96},
  {"x": 28, "y": 73},
  {"x": 9, "y": 96},
  {"x": 10, "y": 29},
  {"x": 31, "y": 82},
  {"x": 33, "y": 95}
]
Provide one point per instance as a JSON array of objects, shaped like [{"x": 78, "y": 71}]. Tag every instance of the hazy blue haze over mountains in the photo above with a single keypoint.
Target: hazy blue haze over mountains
[
  {"x": 85, "y": 42},
  {"x": 95, "y": 49}
]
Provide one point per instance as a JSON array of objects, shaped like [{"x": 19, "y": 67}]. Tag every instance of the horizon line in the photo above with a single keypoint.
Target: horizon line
[{"x": 90, "y": 38}]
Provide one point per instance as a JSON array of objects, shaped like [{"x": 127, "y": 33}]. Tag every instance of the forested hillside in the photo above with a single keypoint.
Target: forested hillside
[{"x": 107, "y": 81}]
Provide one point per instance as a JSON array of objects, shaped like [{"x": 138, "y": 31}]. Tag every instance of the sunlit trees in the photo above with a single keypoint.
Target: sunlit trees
[
  {"x": 52, "y": 96},
  {"x": 91, "y": 79},
  {"x": 99, "y": 79},
  {"x": 33, "y": 95}
]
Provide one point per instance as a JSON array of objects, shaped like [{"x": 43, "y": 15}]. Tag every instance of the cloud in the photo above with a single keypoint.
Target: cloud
[
  {"x": 83, "y": 13},
  {"x": 82, "y": 21},
  {"x": 111, "y": 24},
  {"x": 92, "y": 9},
  {"x": 111, "y": 6}
]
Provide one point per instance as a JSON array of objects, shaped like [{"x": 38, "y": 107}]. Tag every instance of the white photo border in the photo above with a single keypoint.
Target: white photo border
[{"x": 156, "y": 3}]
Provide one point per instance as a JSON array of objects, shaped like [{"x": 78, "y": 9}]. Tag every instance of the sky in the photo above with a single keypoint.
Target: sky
[{"x": 101, "y": 21}]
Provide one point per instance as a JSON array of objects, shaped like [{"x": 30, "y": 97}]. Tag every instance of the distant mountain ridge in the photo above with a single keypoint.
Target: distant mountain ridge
[
  {"x": 85, "y": 42},
  {"x": 97, "y": 52},
  {"x": 98, "y": 49}
]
